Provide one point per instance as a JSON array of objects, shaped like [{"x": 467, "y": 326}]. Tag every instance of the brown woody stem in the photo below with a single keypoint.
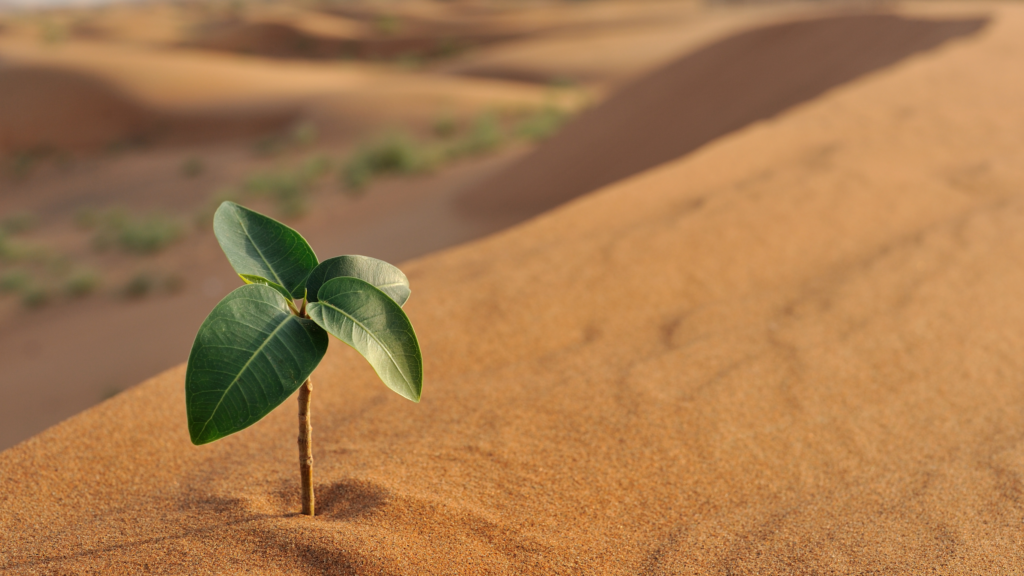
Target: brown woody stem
[{"x": 306, "y": 447}]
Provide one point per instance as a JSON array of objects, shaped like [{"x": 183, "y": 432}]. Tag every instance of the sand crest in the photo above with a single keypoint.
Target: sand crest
[
  {"x": 794, "y": 351},
  {"x": 703, "y": 96}
]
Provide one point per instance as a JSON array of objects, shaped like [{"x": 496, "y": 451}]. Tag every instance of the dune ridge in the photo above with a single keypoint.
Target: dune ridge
[
  {"x": 793, "y": 351},
  {"x": 702, "y": 96},
  {"x": 46, "y": 107}
]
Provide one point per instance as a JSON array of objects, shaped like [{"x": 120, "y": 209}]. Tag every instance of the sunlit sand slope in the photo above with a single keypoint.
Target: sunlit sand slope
[
  {"x": 702, "y": 96},
  {"x": 795, "y": 351}
]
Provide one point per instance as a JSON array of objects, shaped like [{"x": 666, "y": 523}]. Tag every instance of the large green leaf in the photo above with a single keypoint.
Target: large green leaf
[
  {"x": 389, "y": 279},
  {"x": 260, "y": 246},
  {"x": 250, "y": 354},
  {"x": 371, "y": 322}
]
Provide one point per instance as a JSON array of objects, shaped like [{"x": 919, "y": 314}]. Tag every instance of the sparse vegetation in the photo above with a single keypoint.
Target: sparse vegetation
[
  {"x": 192, "y": 167},
  {"x": 288, "y": 188},
  {"x": 14, "y": 281},
  {"x": 20, "y": 164},
  {"x": 35, "y": 296},
  {"x": 394, "y": 153},
  {"x": 387, "y": 25},
  {"x": 541, "y": 125},
  {"x": 398, "y": 152},
  {"x": 139, "y": 234},
  {"x": 138, "y": 285},
  {"x": 38, "y": 272},
  {"x": 81, "y": 283},
  {"x": 299, "y": 135},
  {"x": 18, "y": 223},
  {"x": 144, "y": 282},
  {"x": 52, "y": 32},
  {"x": 12, "y": 250},
  {"x": 445, "y": 126}
]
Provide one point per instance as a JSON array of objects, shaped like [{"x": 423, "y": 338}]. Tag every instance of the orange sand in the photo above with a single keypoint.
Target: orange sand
[{"x": 796, "y": 351}]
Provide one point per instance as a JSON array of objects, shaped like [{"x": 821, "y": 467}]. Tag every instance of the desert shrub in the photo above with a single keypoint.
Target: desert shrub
[
  {"x": 138, "y": 234},
  {"x": 192, "y": 167},
  {"x": 400, "y": 153},
  {"x": 52, "y": 32},
  {"x": 387, "y": 25},
  {"x": 445, "y": 126},
  {"x": 35, "y": 296},
  {"x": 138, "y": 285},
  {"x": 81, "y": 283},
  {"x": 485, "y": 135},
  {"x": 287, "y": 188},
  {"x": 298, "y": 135},
  {"x": 14, "y": 281},
  {"x": 21, "y": 251},
  {"x": 392, "y": 153},
  {"x": 541, "y": 125},
  {"x": 18, "y": 223}
]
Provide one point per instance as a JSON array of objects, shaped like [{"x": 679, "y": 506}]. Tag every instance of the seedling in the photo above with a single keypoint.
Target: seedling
[{"x": 258, "y": 346}]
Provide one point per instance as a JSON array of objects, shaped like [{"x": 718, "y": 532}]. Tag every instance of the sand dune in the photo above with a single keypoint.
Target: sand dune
[
  {"x": 607, "y": 57},
  {"x": 707, "y": 94},
  {"x": 794, "y": 351},
  {"x": 42, "y": 107},
  {"x": 287, "y": 40},
  {"x": 226, "y": 94},
  {"x": 51, "y": 108}
]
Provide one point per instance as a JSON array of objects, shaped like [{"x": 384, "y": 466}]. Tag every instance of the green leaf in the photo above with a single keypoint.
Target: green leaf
[
  {"x": 250, "y": 279},
  {"x": 389, "y": 279},
  {"x": 368, "y": 320},
  {"x": 250, "y": 354},
  {"x": 260, "y": 246}
]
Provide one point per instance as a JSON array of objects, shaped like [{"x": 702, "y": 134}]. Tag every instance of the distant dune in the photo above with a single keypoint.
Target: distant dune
[
  {"x": 284, "y": 40},
  {"x": 53, "y": 108},
  {"x": 703, "y": 96}
]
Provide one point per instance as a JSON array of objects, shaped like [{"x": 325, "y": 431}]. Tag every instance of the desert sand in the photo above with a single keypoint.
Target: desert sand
[
  {"x": 118, "y": 100},
  {"x": 794, "y": 350}
]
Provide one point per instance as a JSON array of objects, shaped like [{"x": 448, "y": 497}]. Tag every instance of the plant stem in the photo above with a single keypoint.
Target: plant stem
[{"x": 306, "y": 447}]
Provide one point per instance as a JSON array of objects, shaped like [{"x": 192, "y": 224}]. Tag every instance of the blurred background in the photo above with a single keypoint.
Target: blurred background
[{"x": 390, "y": 128}]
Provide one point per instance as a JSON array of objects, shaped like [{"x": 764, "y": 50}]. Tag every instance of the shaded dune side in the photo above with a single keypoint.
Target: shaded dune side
[
  {"x": 705, "y": 95},
  {"x": 282, "y": 40},
  {"x": 48, "y": 107}
]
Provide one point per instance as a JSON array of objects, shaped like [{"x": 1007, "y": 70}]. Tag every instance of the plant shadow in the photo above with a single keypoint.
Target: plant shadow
[{"x": 349, "y": 499}]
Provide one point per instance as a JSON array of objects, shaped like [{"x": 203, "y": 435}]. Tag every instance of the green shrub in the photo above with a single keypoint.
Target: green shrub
[
  {"x": 485, "y": 135},
  {"x": 299, "y": 135},
  {"x": 81, "y": 284},
  {"x": 192, "y": 167},
  {"x": 145, "y": 234},
  {"x": 541, "y": 125},
  {"x": 138, "y": 286},
  {"x": 14, "y": 281},
  {"x": 35, "y": 296},
  {"x": 18, "y": 223},
  {"x": 21, "y": 251},
  {"x": 392, "y": 153},
  {"x": 445, "y": 127},
  {"x": 288, "y": 189}
]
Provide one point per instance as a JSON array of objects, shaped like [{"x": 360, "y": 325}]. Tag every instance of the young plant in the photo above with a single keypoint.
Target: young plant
[{"x": 258, "y": 346}]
